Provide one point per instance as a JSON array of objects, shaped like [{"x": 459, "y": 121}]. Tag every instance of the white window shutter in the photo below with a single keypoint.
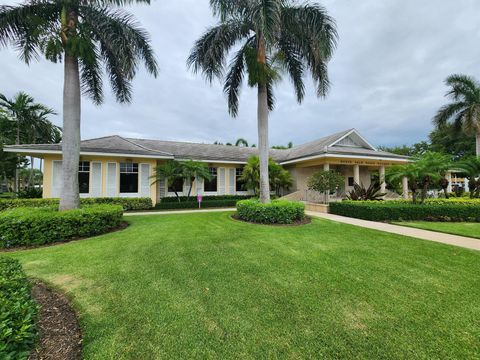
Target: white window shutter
[
  {"x": 199, "y": 186},
  {"x": 112, "y": 179},
  {"x": 57, "y": 178},
  {"x": 162, "y": 188},
  {"x": 186, "y": 186},
  {"x": 144, "y": 180},
  {"x": 221, "y": 181},
  {"x": 96, "y": 186},
  {"x": 231, "y": 181}
]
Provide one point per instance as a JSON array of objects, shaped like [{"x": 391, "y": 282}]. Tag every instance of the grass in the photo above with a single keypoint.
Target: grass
[
  {"x": 203, "y": 286},
  {"x": 455, "y": 228}
]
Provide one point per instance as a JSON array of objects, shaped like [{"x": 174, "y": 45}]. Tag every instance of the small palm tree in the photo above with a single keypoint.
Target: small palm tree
[
  {"x": 464, "y": 110},
  {"x": 274, "y": 35},
  {"x": 241, "y": 142},
  {"x": 470, "y": 167},
  {"x": 88, "y": 37}
]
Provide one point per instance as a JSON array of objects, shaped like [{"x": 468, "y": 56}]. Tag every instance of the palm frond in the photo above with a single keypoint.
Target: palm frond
[
  {"x": 293, "y": 64},
  {"x": 446, "y": 112},
  {"x": 234, "y": 79},
  {"x": 209, "y": 53}
]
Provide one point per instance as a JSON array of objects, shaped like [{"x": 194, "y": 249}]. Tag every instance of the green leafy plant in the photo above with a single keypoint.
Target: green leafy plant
[
  {"x": 19, "y": 312},
  {"x": 126, "y": 203},
  {"x": 326, "y": 182},
  {"x": 276, "y": 212},
  {"x": 359, "y": 192},
  {"x": 38, "y": 226},
  {"x": 470, "y": 167},
  {"x": 279, "y": 177},
  {"x": 431, "y": 210}
]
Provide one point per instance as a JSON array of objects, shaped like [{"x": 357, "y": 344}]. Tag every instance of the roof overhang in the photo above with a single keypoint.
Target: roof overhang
[
  {"x": 85, "y": 153},
  {"x": 359, "y": 137},
  {"x": 342, "y": 156}
]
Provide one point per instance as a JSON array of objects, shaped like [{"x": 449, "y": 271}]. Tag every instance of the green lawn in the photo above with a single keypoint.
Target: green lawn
[
  {"x": 196, "y": 286},
  {"x": 456, "y": 228}
]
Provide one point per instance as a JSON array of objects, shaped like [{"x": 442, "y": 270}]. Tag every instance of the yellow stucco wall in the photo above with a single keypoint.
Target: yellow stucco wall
[{"x": 104, "y": 160}]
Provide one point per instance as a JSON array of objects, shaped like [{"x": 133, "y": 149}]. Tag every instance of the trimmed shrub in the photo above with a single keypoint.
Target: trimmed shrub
[
  {"x": 18, "y": 315},
  {"x": 402, "y": 210},
  {"x": 38, "y": 226},
  {"x": 276, "y": 212},
  {"x": 193, "y": 198},
  {"x": 194, "y": 204},
  {"x": 126, "y": 203}
]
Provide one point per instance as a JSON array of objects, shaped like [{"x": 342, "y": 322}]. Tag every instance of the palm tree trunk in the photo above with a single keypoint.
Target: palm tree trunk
[
  {"x": 71, "y": 135},
  {"x": 478, "y": 143},
  {"x": 262, "y": 113}
]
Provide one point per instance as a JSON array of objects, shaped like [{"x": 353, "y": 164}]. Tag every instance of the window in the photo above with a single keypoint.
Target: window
[
  {"x": 350, "y": 181},
  {"x": 211, "y": 185},
  {"x": 176, "y": 186},
  {"x": 128, "y": 177},
  {"x": 83, "y": 177},
  {"x": 239, "y": 184}
]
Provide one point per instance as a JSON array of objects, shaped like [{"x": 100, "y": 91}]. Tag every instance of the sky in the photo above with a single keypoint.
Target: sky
[{"x": 387, "y": 77}]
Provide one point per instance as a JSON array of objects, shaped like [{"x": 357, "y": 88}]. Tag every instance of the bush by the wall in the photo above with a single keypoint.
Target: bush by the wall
[
  {"x": 275, "y": 212},
  {"x": 194, "y": 204},
  {"x": 204, "y": 198},
  {"x": 38, "y": 226},
  {"x": 18, "y": 312},
  {"x": 126, "y": 203},
  {"x": 435, "y": 210}
]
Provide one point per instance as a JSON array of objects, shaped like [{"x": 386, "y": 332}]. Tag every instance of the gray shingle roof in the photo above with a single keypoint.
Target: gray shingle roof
[{"x": 184, "y": 150}]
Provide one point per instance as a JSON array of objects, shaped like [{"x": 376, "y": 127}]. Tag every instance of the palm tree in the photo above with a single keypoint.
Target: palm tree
[
  {"x": 464, "y": 110},
  {"x": 30, "y": 118},
  {"x": 86, "y": 36},
  {"x": 241, "y": 142},
  {"x": 470, "y": 167},
  {"x": 274, "y": 35}
]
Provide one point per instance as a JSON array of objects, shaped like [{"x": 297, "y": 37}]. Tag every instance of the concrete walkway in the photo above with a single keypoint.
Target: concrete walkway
[
  {"x": 457, "y": 240},
  {"x": 169, "y": 212}
]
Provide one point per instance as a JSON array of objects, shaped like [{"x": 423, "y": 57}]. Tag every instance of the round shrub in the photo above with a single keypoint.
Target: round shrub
[
  {"x": 276, "y": 212},
  {"x": 19, "y": 312},
  {"x": 38, "y": 226}
]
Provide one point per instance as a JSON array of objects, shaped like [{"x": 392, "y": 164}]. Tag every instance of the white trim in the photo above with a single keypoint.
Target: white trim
[
  {"x": 108, "y": 179},
  {"x": 53, "y": 179},
  {"x": 356, "y": 133},
  {"x": 313, "y": 157},
  {"x": 90, "y": 186},
  {"x": 86, "y": 153}
]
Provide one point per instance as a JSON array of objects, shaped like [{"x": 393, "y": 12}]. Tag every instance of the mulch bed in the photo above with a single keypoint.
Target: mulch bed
[
  {"x": 123, "y": 225},
  {"x": 60, "y": 335},
  {"x": 306, "y": 220}
]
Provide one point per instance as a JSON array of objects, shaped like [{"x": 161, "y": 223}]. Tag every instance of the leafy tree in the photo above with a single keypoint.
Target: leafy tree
[
  {"x": 283, "y": 147},
  {"x": 464, "y": 110},
  {"x": 272, "y": 35},
  {"x": 170, "y": 171},
  {"x": 447, "y": 139},
  {"x": 326, "y": 182},
  {"x": 89, "y": 37}
]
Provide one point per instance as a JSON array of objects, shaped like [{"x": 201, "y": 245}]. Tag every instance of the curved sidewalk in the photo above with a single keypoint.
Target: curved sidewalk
[{"x": 457, "y": 240}]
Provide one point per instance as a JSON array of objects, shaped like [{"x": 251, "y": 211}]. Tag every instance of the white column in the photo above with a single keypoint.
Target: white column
[
  {"x": 326, "y": 166},
  {"x": 383, "y": 185},
  {"x": 356, "y": 173},
  {"x": 405, "y": 187},
  {"x": 448, "y": 176}
]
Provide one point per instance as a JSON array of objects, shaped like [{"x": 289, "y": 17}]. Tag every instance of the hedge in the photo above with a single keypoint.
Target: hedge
[
  {"x": 275, "y": 212},
  {"x": 38, "y": 226},
  {"x": 405, "y": 211},
  {"x": 194, "y": 204},
  {"x": 18, "y": 315},
  {"x": 126, "y": 203},
  {"x": 193, "y": 198}
]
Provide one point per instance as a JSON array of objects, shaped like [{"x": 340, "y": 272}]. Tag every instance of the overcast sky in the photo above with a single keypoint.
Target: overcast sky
[{"x": 387, "y": 77}]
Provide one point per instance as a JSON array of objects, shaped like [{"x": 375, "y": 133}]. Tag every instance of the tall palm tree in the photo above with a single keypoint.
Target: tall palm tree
[
  {"x": 29, "y": 117},
  {"x": 87, "y": 36},
  {"x": 273, "y": 35},
  {"x": 464, "y": 110}
]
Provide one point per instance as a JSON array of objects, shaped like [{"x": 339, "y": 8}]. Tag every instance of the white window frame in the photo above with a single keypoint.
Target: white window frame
[{"x": 127, "y": 195}]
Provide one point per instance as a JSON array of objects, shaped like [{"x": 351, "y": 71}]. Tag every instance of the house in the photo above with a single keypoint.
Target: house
[{"x": 118, "y": 166}]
